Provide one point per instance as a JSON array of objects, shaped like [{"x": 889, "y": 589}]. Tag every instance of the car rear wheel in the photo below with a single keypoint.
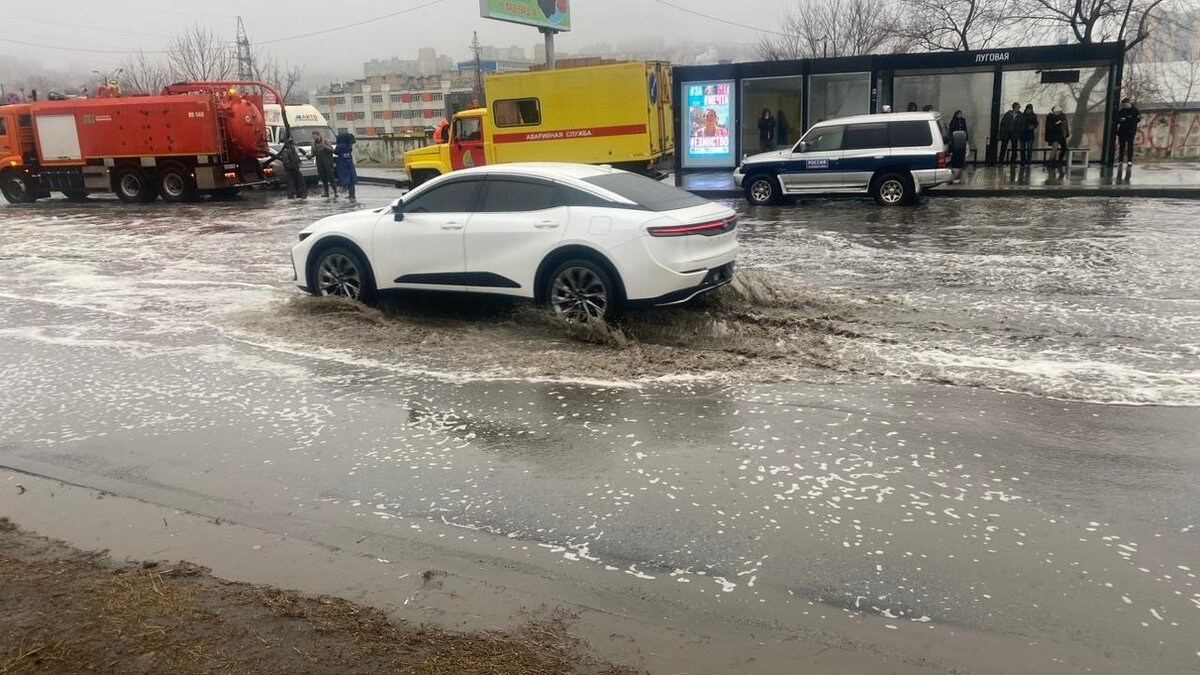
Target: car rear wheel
[
  {"x": 133, "y": 185},
  {"x": 579, "y": 290},
  {"x": 892, "y": 189},
  {"x": 762, "y": 190},
  {"x": 341, "y": 273}
]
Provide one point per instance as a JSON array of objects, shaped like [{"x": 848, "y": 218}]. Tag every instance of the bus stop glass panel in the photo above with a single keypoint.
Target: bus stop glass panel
[
  {"x": 949, "y": 91},
  {"x": 838, "y": 95},
  {"x": 1082, "y": 93},
  {"x": 780, "y": 95}
]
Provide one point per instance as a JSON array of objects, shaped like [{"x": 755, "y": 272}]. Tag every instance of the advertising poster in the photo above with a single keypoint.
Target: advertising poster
[
  {"x": 554, "y": 14},
  {"x": 709, "y": 124}
]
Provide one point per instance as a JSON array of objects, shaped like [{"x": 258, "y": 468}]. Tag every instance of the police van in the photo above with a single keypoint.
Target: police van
[{"x": 892, "y": 157}]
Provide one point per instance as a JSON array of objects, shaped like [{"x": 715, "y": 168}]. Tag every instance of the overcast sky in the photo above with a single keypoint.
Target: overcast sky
[{"x": 446, "y": 25}]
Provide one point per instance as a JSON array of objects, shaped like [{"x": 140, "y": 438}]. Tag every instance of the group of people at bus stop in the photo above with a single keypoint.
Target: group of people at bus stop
[
  {"x": 335, "y": 165},
  {"x": 1018, "y": 131}
]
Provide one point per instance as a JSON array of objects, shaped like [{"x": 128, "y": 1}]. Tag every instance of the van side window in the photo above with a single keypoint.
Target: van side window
[
  {"x": 865, "y": 136},
  {"x": 910, "y": 134},
  {"x": 517, "y": 112}
]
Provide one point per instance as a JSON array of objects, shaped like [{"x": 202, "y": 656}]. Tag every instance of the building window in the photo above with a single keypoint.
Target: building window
[
  {"x": 341, "y": 116},
  {"x": 356, "y": 99},
  {"x": 517, "y": 112},
  {"x": 397, "y": 114},
  {"x": 376, "y": 98},
  {"x": 377, "y": 115},
  {"x": 379, "y": 131},
  {"x": 340, "y": 100},
  {"x": 360, "y": 115},
  {"x": 395, "y": 98},
  {"x": 360, "y": 131},
  {"x": 437, "y": 96},
  {"x": 343, "y": 130}
]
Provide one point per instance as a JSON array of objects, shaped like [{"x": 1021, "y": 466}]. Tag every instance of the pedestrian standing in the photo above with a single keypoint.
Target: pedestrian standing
[
  {"x": 959, "y": 144},
  {"x": 766, "y": 130},
  {"x": 323, "y": 152},
  {"x": 781, "y": 128},
  {"x": 293, "y": 180},
  {"x": 1011, "y": 129},
  {"x": 1058, "y": 132},
  {"x": 343, "y": 154},
  {"x": 1028, "y": 124},
  {"x": 1128, "y": 118}
]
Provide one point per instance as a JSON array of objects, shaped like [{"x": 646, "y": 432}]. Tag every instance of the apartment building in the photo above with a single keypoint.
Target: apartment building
[{"x": 394, "y": 104}]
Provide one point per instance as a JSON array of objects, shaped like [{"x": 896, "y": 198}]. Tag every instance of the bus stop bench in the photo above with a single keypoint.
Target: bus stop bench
[{"x": 1073, "y": 154}]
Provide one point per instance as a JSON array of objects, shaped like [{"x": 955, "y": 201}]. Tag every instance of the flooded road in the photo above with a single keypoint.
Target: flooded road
[{"x": 975, "y": 417}]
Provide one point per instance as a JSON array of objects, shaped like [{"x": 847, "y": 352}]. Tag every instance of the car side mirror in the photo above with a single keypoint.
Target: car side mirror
[
  {"x": 803, "y": 146},
  {"x": 398, "y": 210}
]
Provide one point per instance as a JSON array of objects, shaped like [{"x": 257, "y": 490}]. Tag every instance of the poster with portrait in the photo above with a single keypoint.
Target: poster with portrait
[{"x": 709, "y": 124}]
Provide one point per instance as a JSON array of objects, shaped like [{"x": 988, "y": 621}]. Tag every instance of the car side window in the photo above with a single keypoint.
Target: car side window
[
  {"x": 573, "y": 197},
  {"x": 824, "y": 139},
  {"x": 513, "y": 196},
  {"x": 910, "y": 134},
  {"x": 454, "y": 197},
  {"x": 865, "y": 136}
]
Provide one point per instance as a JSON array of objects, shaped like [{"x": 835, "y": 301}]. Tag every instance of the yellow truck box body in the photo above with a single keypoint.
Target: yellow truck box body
[{"x": 616, "y": 114}]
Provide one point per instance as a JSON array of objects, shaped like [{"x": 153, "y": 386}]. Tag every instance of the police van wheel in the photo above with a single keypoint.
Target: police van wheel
[
  {"x": 892, "y": 189},
  {"x": 762, "y": 190}
]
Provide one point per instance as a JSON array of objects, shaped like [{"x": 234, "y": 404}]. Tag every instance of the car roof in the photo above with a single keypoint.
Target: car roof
[{"x": 882, "y": 117}]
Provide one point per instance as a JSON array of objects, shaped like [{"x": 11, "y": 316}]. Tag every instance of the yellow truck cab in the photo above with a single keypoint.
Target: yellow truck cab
[{"x": 617, "y": 114}]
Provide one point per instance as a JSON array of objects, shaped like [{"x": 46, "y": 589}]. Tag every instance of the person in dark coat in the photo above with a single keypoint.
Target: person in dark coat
[
  {"x": 766, "y": 130},
  {"x": 959, "y": 139},
  {"x": 322, "y": 151},
  {"x": 343, "y": 154},
  {"x": 1058, "y": 132},
  {"x": 958, "y": 123},
  {"x": 1011, "y": 127},
  {"x": 781, "y": 128},
  {"x": 1126, "y": 128},
  {"x": 1027, "y": 124},
  {"x": 293, "y": 180}
]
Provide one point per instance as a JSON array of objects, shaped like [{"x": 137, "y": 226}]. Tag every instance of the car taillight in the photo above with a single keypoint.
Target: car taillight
[
  {"x": 941, "y": 160},
  {"x": 705, "y": 229}
]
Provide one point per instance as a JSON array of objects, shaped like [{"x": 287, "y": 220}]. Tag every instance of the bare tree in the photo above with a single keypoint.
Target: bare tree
[
  {"x": 199, "y": 53},
  {"x": 831, "y": 28},
  {"x": 955, "y": 25},
  {"x": 144, "y": 74},
  {"x": 282, "y": 76}
]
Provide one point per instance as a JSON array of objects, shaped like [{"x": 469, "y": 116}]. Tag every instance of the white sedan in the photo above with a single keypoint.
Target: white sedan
[{"x": 587, "y": 240}]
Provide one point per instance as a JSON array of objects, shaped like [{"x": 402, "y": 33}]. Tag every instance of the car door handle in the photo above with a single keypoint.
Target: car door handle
[
  {"x": 546, "y": 224},
  {"x": 878, "y": 157},
  {"x": 452, "y": 226}
]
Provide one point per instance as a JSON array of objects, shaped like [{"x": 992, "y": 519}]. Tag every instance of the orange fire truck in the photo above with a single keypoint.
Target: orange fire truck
[{"x": 194, "y": 138}]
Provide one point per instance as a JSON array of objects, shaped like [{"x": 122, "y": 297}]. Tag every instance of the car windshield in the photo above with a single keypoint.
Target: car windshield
[
  {"x": 303, "y": 135},
  {"x": 646, "y": 192}
]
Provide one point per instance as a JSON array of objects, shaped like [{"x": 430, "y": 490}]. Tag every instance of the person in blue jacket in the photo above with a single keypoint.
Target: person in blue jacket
[{"x": 343, "y": 153}]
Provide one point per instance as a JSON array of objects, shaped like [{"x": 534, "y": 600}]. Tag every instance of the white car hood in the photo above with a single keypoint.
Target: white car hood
[
  {"x": 355, "y": 222},
  {"x": 773, "y": 156}
]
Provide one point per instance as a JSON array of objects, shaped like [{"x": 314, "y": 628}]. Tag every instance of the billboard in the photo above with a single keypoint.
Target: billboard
[
  {"x": 553, "y": 14},
  {"x": 710, "y": 123}
]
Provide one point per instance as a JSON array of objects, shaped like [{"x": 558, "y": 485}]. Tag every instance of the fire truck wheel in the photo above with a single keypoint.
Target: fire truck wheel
[
  {"x": 18, "y": 187},
  {"x": 133, "y": 185},
  {"x": 175, "y": 183}
]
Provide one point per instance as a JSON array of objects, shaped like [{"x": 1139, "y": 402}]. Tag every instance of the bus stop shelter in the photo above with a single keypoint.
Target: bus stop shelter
[{"x": 718, "y": 106}]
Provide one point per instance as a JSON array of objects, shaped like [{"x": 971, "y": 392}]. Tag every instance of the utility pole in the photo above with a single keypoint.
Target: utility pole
[
  {"x": 476, "y": 49},
  {"x": 245, "y": 62}
]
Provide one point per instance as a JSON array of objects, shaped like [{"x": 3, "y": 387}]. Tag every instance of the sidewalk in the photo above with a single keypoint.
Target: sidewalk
[{"x": 1175, "y": 179}]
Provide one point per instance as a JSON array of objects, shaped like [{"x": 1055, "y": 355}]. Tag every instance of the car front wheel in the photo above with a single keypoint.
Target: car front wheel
[
  {"x": 341, "y": 273},
  {"x": 762, "y": 190},
  {"x": 579, "y": 290}
]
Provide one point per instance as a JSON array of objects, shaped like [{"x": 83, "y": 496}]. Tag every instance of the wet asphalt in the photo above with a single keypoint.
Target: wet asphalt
[{"x": 972, "y": 414}]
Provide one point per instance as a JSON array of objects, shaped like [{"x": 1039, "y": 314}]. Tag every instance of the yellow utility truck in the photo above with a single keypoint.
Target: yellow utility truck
[{"x": 617, "y": 114}]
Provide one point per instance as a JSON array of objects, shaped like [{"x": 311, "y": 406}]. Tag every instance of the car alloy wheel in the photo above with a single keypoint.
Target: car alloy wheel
[
  {"x": 339, "y": 274},
  {"x": 892, "y": 191},
  {"x": 762, "y": 191},
  {"x": 579, "y": 292}
]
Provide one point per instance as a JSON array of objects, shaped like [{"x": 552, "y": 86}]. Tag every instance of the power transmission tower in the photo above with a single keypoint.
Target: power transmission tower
[
  {"x": 245, "y": 62},
  {"x": 476, "y": 49}
]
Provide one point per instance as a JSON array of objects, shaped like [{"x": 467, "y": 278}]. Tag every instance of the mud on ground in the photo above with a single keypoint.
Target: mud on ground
[
  {"x": 69, "y": 612},
  {"x": 756, "y": 327}
]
